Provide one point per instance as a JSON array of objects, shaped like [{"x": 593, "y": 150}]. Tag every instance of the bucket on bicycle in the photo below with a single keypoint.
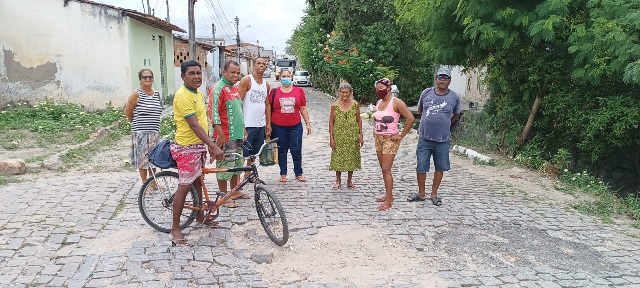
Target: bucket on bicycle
[{"x": 268, "y": 157}]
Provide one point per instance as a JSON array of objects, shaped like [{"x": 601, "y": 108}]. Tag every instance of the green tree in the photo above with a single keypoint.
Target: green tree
[
  {"x": 359, "y": 42},
  {"x": 561, "y": 74}
]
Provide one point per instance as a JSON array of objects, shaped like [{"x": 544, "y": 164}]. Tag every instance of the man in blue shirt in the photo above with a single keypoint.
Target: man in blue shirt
[{"x": 438, "y": 107}]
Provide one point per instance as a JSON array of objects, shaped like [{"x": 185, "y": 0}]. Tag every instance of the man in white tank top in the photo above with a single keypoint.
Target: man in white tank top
[{"x": 253, "y": 91}]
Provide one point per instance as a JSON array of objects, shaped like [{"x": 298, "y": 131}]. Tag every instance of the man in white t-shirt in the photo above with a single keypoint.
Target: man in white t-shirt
[{"x": 253, "y": 91}]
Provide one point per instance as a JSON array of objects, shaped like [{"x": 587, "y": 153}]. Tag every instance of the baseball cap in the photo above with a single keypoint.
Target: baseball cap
[{"x": 443, "y": 70}]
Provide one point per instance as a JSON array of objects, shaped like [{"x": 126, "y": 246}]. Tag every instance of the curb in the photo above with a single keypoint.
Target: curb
[{"x": 470, "y": 153}]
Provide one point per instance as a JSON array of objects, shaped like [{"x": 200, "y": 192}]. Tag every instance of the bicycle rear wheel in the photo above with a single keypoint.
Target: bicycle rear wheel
[
  {"x": 271, "y": 215},
  {"x": 155, "y": 201}
]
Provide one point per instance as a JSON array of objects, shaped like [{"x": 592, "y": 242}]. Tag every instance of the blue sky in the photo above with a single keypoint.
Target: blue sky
[{"x": 272, "y": 22}]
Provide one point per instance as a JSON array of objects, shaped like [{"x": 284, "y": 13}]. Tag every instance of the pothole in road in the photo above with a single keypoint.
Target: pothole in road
[
  {"x": 490, "y": 246},
  {"x": 346, "y": 255}
]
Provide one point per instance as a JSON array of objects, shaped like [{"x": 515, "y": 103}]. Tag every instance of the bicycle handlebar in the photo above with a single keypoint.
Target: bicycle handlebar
[{"x": 229, "y": 155}]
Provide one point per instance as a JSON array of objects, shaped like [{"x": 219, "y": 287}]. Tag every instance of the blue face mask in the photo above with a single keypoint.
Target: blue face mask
[{"x": 285, "y": 81}]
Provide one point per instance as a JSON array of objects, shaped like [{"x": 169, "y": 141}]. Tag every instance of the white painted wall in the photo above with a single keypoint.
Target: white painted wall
[
  {"x": 87, "y": 43},
  {"x": 458, "y": 81},
  {"x": 244, "y": 66}
]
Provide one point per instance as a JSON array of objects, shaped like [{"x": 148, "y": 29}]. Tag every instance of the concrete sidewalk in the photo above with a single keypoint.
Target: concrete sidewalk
[{"x": 73, "y": 230}]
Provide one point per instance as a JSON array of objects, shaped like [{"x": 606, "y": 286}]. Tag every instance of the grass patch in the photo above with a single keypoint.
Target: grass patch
[
  {"x": 608, "y": 204},
  {"x": 5, "y": 180},
  {"x": 52, "y": 122},
  {"x": 34, "y": 159},
  {"x": 478, "y": 161},
  {"x": 81, "y": 154},
  {"x": 119, "y": 209}
]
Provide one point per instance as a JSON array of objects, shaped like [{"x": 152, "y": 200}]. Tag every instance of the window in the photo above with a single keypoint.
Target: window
[{"x": 284, "y": 63}]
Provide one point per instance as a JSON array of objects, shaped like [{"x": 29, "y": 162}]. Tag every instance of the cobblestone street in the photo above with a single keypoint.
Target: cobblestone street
[{"x": 85, "y": 230}]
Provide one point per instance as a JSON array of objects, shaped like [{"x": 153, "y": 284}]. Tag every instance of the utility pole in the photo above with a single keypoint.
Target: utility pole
[
  {"x": 237, "y": 39},
  {"x": 192, "y": 31},
  {"x": 148, "y": 8},
  {"x": 213, "y": 34},
  {"x": 168, "y": 11},
  {"x": 258, "y": 42}
]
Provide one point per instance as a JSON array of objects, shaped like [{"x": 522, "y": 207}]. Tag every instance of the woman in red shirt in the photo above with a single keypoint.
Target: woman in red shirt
[{"x": 284, "y": 106}]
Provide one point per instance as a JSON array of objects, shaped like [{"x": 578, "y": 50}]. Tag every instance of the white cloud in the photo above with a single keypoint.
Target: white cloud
[{"x": 272, "y": 22}]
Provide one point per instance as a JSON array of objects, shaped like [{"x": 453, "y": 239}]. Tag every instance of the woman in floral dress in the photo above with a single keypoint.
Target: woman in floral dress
[{"x": 345, "y": 132}]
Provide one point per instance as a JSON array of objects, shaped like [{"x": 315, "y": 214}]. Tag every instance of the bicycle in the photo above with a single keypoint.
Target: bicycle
[{"x": 156, "y": 195}]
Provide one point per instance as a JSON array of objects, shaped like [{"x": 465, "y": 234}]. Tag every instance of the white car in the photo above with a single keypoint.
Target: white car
[
  {"x": 301, "y": 78},
  {"x": 267, "y": 74}
]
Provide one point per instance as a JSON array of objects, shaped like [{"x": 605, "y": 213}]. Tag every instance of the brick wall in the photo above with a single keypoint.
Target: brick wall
[{"x": 181, "y": 53}]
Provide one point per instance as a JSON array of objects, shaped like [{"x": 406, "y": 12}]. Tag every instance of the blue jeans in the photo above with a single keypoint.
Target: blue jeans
[
  {"x": 440, "y": 152},
  {"x": 289, "y": 139}
]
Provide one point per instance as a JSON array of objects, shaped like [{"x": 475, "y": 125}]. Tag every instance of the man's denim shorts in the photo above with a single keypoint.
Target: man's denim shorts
[
  {"x": 440, "y": 152},
  {"x": 255, "y": 139}
]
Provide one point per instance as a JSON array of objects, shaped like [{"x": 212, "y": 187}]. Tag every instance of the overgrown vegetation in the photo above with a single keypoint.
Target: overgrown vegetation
[
  {"x": 562, "y": 75},
  {"x": 58, "y": 123},
  {"x": 54, "y": 122},
  {"x": 168, "y": 127},
  {"x": 360, "y": 42},
  {"x": 609, "y": 203}
]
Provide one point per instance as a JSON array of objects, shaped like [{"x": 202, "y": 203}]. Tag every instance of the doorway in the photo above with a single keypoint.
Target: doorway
[{"x": 164, "y": 89}]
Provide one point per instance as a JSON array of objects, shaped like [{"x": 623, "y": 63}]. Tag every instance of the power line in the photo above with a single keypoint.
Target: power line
[
  {"x": 225, "y": 21},
  {"x": 173, "y": 11},
  {"x": 214, "y": 20},
  {"x": 223, "y": 26}
]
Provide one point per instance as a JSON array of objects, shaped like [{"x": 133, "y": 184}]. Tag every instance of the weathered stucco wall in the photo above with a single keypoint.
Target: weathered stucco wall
[
  {"x": 78, "y": 53},
  {"x": 145, "y": 45}
]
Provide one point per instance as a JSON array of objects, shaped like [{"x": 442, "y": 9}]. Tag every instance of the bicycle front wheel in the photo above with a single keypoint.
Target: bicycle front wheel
[
  {"x": 155, "y": 201},
  {"x": 271, "y": 215}
]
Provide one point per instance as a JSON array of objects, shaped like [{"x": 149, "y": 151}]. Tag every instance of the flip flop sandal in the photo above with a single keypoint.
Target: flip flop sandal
[
  {"x": 381, "y": 198},
  {"x": 244, "y": 196},
  {"x": 351, "y": 186},
  {"x": 209, "y": 223},
  {"x": 178, "y": 242},
  {"x": 337, "y": 186},
  {"x": 415, "y": 198},
  {"x": 283, "y": 178},
  {"x": 301, "y": 178},
  {"x": 436, "y": 201},
  {"x": 231, "y": 204},
  {"x": 384, "y": 207}
]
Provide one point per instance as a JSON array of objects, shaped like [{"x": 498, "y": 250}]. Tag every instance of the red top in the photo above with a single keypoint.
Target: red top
[{"x": 286, "y": 106}]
